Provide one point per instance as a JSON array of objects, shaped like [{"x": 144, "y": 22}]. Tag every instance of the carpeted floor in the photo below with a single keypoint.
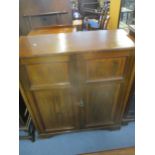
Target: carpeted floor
[{"x": 81, "y": 142}]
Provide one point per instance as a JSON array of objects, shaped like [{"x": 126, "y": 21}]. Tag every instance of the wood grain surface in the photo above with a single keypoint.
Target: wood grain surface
[
  {"x": 76, "y": 81},
  {"x": 123, "y": 151},
  {"x": 74, "y": 42}
]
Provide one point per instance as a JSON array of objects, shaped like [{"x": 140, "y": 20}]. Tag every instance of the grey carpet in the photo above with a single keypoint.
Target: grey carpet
[{"x": 81, "y": 142}]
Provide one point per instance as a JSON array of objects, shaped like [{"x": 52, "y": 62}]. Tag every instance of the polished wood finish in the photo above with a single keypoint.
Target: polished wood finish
[
  {"x": 53, "y": 30},
  {"x": 71, "y": 43},
  {"x": 123, "y": 151},
  {"x": 76, "y": 81}
]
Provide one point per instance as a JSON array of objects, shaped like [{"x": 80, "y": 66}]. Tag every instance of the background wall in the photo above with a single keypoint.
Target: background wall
[{"x": 114, "y": 14}]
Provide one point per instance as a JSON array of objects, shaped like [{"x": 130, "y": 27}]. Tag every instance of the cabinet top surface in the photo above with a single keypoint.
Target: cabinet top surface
[{"x": 62, "y": 43}]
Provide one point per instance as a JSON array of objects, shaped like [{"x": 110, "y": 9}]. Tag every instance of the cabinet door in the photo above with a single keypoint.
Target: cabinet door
[
  {"x": 103, "y": 89},
  {"x": 48, "y": 85}
]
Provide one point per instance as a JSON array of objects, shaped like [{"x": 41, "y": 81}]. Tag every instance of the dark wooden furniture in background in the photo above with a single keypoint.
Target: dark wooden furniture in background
[
  {"x": 39, "y": 13},
  {"x": 122, "y": 151},
  {"x": 26, "y": 127},
  {"x": 89, "y": 7},
  {"x": 76, "y": 81}
]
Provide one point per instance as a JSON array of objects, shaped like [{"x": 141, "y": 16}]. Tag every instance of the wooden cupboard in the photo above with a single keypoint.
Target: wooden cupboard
[{"x": 76, "y": 81}]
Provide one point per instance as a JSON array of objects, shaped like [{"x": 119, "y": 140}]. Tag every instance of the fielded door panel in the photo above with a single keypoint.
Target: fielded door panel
[
  {"x": 57, "y": 109},
  {"x": 100, "y": 104}
]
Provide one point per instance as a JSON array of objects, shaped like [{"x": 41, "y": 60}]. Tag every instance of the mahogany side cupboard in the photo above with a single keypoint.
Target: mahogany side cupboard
[{"x": 76, "y": 81}]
